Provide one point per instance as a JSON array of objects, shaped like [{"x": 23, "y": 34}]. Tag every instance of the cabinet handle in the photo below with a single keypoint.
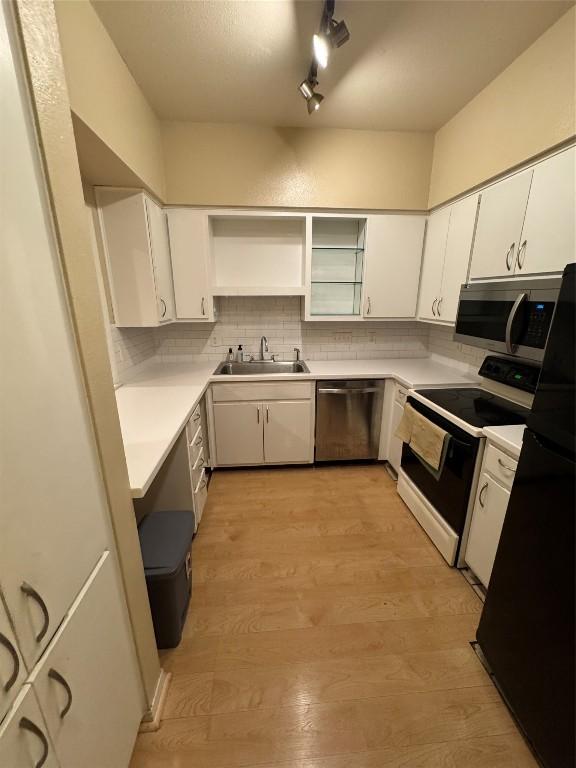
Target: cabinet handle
[
  {"x": 199, "y": 441},
  {"x": 53, "y": 674},
  {"x": 481, "y": 494},
  {"x": 163, "y": 314},
  {"x": 510, "y": 253},
  {"x": 521, "y": 255},
  {"x": 31, "y": 592},
  {"x": 27, "y": 725},
  {"x": 196, "y": 417},
  {"x": 505, "y": 466},
  {"x": 440, "y": 300},
  {"x": 258, "y": 414},
  {"x": 202, "y": 306},
  {"x": 434, "y": 307},
  {"x": 267, "y": 415},
  {"x": 15, "y": 662},
  {"x": 369, "y": 307}
]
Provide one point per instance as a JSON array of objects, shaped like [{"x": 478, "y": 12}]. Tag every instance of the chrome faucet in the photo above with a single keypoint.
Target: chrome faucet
[
  {"x": 263, "y": 347},
  {"x": 297, "y": 350}
]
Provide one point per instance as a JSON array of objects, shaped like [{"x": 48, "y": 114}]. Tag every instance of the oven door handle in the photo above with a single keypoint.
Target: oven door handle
[{"x": 510, "y": 347}]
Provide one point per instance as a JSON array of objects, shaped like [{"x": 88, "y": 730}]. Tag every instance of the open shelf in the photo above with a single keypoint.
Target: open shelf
[{"x": 258, "y": 290}]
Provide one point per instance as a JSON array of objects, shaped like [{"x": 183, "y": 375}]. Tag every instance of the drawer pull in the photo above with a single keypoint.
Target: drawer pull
[
  {"x": 27, "y": 725},
  {"x": 199, "y": 441},
  {"x": 31, "y": 592},
  {"x": 505, "y": 467},
  {"x": 53, "y": 674},
  {"x": 481, "y": 495},
  {"x": 15, "y": 662},
  {"x": 196, "y": 417}
]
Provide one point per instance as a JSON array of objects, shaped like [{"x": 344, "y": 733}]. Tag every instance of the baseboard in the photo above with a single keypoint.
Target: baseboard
[{"x": 152, "y": 718}]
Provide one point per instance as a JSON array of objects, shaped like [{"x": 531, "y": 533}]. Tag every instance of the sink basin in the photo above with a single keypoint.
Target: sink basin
[{"x": 259, "y": 367}]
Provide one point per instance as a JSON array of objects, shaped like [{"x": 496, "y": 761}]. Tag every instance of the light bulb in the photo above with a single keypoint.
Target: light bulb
[{"x": 321, "y": 50}]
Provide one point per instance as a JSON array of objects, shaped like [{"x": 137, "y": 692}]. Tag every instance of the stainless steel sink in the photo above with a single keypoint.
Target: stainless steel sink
[{"x": 259, "y": 367}]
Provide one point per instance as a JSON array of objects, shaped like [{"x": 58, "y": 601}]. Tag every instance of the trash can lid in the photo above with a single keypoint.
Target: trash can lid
[{"x": 165, "y": 539}]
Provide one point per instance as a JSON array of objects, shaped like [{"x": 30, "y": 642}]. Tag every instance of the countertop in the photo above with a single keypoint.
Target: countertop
[
  {"x": 508, "y": 438},
  {"x": 155, "y": 404}
]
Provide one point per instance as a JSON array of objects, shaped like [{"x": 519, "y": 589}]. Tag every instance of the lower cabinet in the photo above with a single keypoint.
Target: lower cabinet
[
  {"x": 83, "y": 701},
  {"x": 263, "y": 431},
  {"x": 395, "y": 450},
  {"x": 24, "y": 742}
]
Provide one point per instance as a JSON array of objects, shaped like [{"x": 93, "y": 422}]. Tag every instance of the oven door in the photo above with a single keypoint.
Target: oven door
[
  {"x": 511, "y": 318},
  {"x": 449, "y": 495}
]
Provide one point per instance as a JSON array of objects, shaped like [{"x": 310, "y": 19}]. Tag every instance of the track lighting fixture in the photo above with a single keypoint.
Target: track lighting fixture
[{"x": 331, "y": 34}]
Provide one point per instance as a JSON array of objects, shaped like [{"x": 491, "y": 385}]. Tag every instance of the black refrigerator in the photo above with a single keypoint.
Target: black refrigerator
[{"x": 526, "y": 631}]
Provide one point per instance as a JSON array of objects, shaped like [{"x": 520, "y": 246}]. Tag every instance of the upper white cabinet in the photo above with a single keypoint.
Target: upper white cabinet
[
  {"x": 526, "y": 222},
  {"x": 190, "y": 249},
  {"x": 446, "y": 259},
  {"x": 87, "y": 683},
  {"x": 393, "y": 259},
  {"x": 502, "y": 211},
  {"x": 548, "y": 236},
  {"x": 135, "y": 242}
]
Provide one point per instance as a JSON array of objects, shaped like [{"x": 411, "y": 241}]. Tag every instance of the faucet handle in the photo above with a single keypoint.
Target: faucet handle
[{"x": 297, "y": 350}]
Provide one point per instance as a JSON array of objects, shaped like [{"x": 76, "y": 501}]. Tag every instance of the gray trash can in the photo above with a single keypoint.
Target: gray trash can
[{"x": 165, "y": 539}]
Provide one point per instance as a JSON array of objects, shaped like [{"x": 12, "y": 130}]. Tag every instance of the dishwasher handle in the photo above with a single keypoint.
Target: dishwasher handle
[{"x": 343, "y": 391}]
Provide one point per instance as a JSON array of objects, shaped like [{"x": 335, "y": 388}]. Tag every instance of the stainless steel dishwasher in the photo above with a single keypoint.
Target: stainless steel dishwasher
[{"x": 348, "y": 419}]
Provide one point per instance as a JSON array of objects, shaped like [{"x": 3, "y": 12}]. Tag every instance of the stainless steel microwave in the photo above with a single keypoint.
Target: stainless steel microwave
[{"x": 511, "y": 317}]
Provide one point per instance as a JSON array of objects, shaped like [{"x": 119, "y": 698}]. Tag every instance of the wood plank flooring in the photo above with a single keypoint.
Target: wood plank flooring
[{"x": 325, "y": 631}]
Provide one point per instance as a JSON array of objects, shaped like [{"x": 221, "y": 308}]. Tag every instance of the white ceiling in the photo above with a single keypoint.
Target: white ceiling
[{"x": 409, "y": 65}]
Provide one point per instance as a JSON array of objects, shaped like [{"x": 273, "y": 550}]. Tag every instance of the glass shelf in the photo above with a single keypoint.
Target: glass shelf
[
  {"x": 335, "y": 298},
  {"x": 336, "y": 282},
  {"x": 337, "y": 248}
]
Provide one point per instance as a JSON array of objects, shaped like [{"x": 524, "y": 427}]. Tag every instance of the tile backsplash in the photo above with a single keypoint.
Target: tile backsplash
[{"x": 243, "y": 320}]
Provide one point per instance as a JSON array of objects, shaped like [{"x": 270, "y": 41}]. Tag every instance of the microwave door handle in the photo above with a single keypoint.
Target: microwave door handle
[{"x": 511, "y": 317}]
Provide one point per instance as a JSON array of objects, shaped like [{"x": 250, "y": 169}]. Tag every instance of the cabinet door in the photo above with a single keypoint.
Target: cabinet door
[
  {"x": 499, "y": 228},
  {"x": 548, "y": 237},
  {"x": 395, "y": 453},
  {"x": 486, "y": 526},
  {"x": 433, "y": 265},
  {"x": 12, "y": 670},
  {"x": 288, "y": 431},
  {"x": 53, "y": 512},
  {"x": 160, "y": 249},
  {"x": 393, "y": 259},
  {"x": 88, "y": 683},
  {"x": 25, "y": 744},
  {"x": 457, "y": 256},
  {"x": 239, "y": 433},
  {"x": 189, "y": 248}
]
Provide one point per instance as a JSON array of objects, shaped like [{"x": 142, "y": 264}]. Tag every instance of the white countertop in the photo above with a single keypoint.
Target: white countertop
[
  {"x": 508, "y": 438},
  {"x": 155, "y": 405}
]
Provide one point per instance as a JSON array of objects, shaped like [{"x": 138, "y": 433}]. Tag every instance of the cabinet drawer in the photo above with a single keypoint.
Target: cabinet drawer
[
  {"x": 196, "y": 468},
  {"x": 500, "y": 465},
  {"x": 400, "y": 394},
  {"x": 286, "y": 390},
  {"x": 20, "y": 747},
  {"x": 200, "y": 496},
  {"x": 193, "y": 423},
  {"x": 195, "y": 445},
  {"x": 12, "y": 670}
]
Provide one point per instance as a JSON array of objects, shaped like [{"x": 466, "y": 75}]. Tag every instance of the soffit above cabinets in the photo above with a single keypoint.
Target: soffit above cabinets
[{"x": 408, "y": 65}]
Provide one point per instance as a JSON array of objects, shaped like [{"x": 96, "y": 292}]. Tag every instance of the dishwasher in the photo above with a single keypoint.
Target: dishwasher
[{"x": 348, "y": 419}]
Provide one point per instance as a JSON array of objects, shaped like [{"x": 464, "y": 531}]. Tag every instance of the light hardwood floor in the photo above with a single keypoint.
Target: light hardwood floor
[{"x": 325, "y": 631}]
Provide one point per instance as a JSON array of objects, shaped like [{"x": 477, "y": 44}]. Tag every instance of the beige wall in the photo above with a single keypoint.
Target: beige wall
[
  {"x": 105, "y": 96},
  {"x": 245, "y": 165},
  {"x": 527, "y": 109}
]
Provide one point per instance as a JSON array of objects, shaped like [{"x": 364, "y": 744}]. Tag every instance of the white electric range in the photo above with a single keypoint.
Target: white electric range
[{"x": 443, "y": 505}]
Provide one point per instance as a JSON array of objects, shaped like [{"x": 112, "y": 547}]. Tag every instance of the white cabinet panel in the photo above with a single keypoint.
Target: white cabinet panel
[
  {"x": 433, "y": 264},
  {"x": 12, "y": 670},
  {"x": 457, "y": 256},
  {"x": 486, "y": 526},
  {"x": 189, "y": 248},
  {"x": 160, "y": 249},
  {"x": 499, "y": 228},
  {"x": 288, "y": 432},
  {"x": 239, "y": 433},
  {"x": 395, "y": 452},
  {"x": 548, "y": 236},
  {"x": 393, "y": 259},
  {"x": 23, "y": 739},
  {"x": 93, "y": 709}
]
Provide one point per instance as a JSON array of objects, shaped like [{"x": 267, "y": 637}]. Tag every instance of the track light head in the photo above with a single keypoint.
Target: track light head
[
  {"x": 313, "y": 103},
  {"x": 339, "y": 33},
  {"x": 306, "y": 88}
]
